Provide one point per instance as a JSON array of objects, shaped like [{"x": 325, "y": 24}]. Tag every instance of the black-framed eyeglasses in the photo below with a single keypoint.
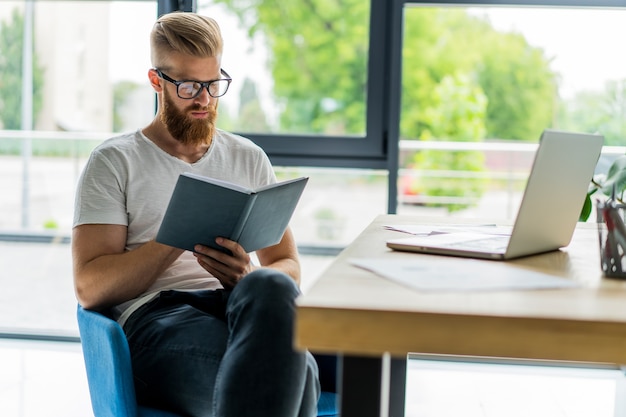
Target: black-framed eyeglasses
[{"x": 188, "y": 89}]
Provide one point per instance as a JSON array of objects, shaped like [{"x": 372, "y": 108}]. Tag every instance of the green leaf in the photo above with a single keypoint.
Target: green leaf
[
  {"x": 586, "y": 211},
  {"x": 616, "y": 176}
]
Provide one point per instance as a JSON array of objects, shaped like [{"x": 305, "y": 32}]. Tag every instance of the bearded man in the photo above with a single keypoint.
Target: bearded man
[{"x": 210, "y": 332}]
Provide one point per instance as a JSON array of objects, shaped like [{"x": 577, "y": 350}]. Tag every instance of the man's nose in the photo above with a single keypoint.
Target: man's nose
[{"x": 204, "y": 97}]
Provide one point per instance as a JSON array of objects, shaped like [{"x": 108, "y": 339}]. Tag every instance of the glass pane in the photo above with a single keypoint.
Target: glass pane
[
  {"x": 89, "y": 71},
  {"x": 297, "y": 66},
  {"x": 90, "y": 62},
  {"x": 480, "y": 84},
  {"x": 337, "y": 204}
]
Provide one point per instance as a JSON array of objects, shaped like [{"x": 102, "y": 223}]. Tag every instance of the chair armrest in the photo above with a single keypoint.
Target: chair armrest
[
  {"x": 107, "y": 361},
  {"x": 327, "y": 406}
]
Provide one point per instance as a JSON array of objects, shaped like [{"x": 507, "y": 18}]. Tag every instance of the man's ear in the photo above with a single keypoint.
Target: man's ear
[{"x": 155, "y": 80}]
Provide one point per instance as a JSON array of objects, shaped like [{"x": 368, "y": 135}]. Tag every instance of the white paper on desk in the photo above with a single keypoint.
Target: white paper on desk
[
  {"x": 456, "y": 274},
  {"x": 429, "y": 230}
]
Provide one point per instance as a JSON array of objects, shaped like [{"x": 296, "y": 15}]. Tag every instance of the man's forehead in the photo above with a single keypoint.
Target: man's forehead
[{"x": 192, "y": 68}]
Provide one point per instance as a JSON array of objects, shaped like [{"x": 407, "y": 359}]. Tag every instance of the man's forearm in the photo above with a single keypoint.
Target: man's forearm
[
  {"x": 112, "y": 279},
  {"x": 289, "y": 266}
]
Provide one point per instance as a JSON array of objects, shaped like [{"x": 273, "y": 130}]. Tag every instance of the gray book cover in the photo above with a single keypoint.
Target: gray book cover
[{"x": 203, "y": 208}]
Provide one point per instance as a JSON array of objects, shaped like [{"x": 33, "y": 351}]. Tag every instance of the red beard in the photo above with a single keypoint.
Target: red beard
[{"x": 185, "y": 129}]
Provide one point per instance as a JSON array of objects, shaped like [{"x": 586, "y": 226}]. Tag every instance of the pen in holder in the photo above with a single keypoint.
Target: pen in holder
[{"x": 612, "y": 235}]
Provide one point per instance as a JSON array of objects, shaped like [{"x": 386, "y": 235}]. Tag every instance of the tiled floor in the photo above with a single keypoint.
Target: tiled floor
[
  {"x": 42, "y": 379},
  {"x": 453, "y": 388}
]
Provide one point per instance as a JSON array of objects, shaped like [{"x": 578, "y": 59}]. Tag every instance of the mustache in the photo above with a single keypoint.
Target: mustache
[{"x": 198, "y": 107}]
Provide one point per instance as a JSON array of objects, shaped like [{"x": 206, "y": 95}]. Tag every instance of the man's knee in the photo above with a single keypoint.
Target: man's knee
[
  {"x": 268, "y": 282},
  {"x": 264, "y": 289}
]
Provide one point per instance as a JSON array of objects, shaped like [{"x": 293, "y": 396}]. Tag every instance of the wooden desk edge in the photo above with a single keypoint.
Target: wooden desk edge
[
  {"x": 364, "y": 332},
  {"x": 332, "y": 330}
]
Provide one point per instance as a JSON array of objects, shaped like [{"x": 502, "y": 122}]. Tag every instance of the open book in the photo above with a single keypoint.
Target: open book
[{"x": 203, "y": 208}]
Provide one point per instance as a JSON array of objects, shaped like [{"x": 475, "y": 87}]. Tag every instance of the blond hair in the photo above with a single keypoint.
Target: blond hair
[{"x": 186, "y": 33}]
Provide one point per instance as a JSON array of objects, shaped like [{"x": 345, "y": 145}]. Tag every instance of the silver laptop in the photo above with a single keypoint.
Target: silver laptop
[{"x": 553, "y": 199}]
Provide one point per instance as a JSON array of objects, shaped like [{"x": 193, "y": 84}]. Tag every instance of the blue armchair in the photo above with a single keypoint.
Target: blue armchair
[{"x": 110, "y": 379}]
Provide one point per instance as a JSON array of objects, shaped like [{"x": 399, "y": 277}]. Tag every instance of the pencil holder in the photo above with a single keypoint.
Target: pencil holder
[{"x": 612, "y": 236}]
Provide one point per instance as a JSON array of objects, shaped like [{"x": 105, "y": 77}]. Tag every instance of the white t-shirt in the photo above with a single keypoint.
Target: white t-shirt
[{"x": 128, "y": 180}]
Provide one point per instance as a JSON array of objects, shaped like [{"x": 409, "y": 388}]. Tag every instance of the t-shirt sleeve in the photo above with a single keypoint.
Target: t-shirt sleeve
[
  {"x": 266, "y": 171},
  {"x": 101, "y": 192}
]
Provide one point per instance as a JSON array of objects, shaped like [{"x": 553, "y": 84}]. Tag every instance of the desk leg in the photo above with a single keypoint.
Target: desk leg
[
  {"x": 397, "y": 387},
  {"x": 361, "y": 385}
]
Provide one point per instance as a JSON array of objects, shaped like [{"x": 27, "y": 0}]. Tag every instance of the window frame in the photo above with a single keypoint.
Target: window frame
[
  {"x": 395, "y": 65},
  {"x": 379, "y": 147},
  {"x": 350, "y": 151}
]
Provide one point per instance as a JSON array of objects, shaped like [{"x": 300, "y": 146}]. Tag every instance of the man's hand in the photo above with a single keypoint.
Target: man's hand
[{"x": 227, "y": 268}]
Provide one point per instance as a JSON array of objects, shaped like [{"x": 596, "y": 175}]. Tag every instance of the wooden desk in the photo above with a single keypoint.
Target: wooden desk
[{"x": 363, "y": 316}]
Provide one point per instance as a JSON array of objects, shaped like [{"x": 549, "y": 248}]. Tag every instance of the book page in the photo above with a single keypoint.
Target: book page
[
  {"x": 220, "y": 183},
  {"x": 276, "y": 184}
]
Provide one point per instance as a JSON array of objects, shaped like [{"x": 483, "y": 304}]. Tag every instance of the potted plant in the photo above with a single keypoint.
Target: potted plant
[
  {"x": 611, "y": 219},
  {"x": 609, "y": 184}
]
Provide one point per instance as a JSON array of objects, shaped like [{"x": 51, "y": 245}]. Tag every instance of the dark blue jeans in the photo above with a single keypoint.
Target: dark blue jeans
[{"x": 224, "y": 353}]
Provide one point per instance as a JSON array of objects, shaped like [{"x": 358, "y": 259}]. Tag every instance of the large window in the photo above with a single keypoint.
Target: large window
[
  {"x": 88, "y": 80},
  {"x": 389, "y": 106},
  {"x": 480, "y": 84},
  {"x": 303, "y": 73},
  {"x": 300, "y": 69}
]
